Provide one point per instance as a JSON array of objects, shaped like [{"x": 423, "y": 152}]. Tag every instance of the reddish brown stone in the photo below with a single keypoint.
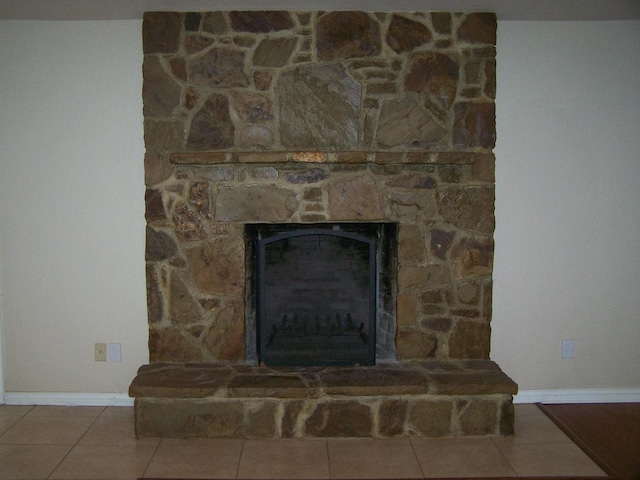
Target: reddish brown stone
[
  {"x": 178, "y": 380},
  {"x": 468, "y": 293},
  {"x": 154, "y": 208},
  {"x": 472, "y": 257},
  {"x": 260, "y": 21},
  {"x": 470, "y": 339},
  {"x": 217, "y": 266},
  {"x": 355, "y": 199},
  {"x": 178, "y": 68},
  {"x": 159, "y": 246},
  {"x": 478, "y": 28},
  {"x": 507, "y": 417},
  {"x": 478, "y": 417},
  {"x": 415, "y": 345},
  {"x": 433, "y": 73},
  {"x": 157, "y": 167},
  {"x": 160, "y": 92},
  {"x": 405, "y": 34},
  {"x": 262, "y": 79},
  {"x": 225, "y": 339},
  {"x": 267, "y": 203},
  {"x": 437, "y": 324},
  {"x": 171, "y": 345},
  {"x": 183, "y": 308},
  {"x": 155, "y": 297},
  {"x": 260, "y": 421},
  {"x": 191, "y": 97},
  {"x": 392, "y": 417},
  {"x": 346, "y": 35},
  {"x": 215, "y": 23},
  {"x": 358, "y": 381},
  {"x": 274, "y": 52},
  {"x": 431, "y": 418},
  {"x": 441, "y": 22},
  {"x": 161, "y": 32},
  {"x": 219, "y": 67},
  {"x": 474, "y": 125},
  {"x": 440, "y": 242},
  {"x": 161, "y": 134},
  {"x": 199, "y": 198},
  {"x": 484, "y": 168},
  {"x": 340, "y": 419},
  {"x": 196, "y": 43},
  {"x": 405, "y": 122},
  {"x": 292, "y": 410},
  {"x": 188, "y": 224},
  {"x": 471, "y": 208},
  {"x": 318, "y": 107},
  {"x": 212, "y": 127},
  {"x": 253, "y": 107},
  {"x": 490, "y": 78}
]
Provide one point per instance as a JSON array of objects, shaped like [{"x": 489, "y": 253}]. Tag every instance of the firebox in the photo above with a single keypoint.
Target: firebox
[{"x": 319, "y": 291}]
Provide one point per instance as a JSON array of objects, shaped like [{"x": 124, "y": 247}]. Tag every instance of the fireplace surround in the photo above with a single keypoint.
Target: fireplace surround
[{"x": 320, "y": 119}]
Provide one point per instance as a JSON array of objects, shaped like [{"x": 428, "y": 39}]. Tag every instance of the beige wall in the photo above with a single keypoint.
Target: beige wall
[
  {"x": 71, "y": 204},
  {"x": 567, "y": 262},
  {"x": 72, "y": 210}
]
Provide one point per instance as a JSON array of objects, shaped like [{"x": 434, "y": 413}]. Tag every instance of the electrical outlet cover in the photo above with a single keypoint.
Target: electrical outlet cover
[{"x": 100, "y": 352}]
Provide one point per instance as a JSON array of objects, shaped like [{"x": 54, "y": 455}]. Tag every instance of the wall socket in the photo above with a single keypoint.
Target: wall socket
[
  {"x": 101, "y": 352},
  {"x": 108, "y": 352}
]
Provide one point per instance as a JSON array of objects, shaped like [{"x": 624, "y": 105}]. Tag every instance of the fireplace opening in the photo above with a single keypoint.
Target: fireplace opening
[{"x": 322, "y": 293}]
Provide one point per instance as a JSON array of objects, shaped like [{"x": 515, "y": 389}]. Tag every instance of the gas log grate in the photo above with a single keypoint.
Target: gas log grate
[{"x": 317, "y": 290}]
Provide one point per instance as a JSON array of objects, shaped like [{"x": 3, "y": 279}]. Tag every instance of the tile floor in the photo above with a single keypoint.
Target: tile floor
[{"x": 46, "y": 442}]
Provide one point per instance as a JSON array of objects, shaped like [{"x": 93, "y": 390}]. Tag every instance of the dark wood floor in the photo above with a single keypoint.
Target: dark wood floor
[{"x": 608, "y": 432}]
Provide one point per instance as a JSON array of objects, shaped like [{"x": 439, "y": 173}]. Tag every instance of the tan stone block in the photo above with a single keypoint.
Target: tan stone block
[
  {"x": 431, "y": 418},
  {"x": 180, "y": 418},
  {"x": 173, "y": 345},
  {"x": 407, "y": 307},
  {"x": 470, "y": 339},
  {"x": 218, "y": 266},
  {"x": 265, "y": 203},
  {"x": 392, "y": 417},
  {"x": 477, "y": 417},
  {"x": 340, "y": 419},
  {"x": 415, "y": 344},
  {"x": 259, "y": 419},
  {"x": 355, "y": 199}
]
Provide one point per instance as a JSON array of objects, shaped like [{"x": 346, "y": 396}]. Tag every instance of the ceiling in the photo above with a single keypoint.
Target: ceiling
[{"x": 505, "y": 9}]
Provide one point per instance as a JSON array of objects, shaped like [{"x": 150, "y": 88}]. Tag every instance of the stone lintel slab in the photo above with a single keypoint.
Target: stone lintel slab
[
  {"x": 325, "y": 157},
  {"x": 165, "y": 380}
]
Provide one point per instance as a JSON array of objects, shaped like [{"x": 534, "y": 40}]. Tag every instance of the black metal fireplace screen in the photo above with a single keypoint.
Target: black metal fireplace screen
[{"x": 316, "y": 294}]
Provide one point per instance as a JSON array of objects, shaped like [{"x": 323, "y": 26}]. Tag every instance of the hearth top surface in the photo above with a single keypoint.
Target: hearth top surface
[{"x": 466, "y": 377}]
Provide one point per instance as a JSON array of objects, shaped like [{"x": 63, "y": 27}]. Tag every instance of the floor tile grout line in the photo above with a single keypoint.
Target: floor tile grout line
[
  {"x": 513, "y": 469},
  {"x": 415, "y": 454},
  {"x": 153, "y": 455},
  {"x": 240, "y": 459},
  {"x": 75, "y": 444}
]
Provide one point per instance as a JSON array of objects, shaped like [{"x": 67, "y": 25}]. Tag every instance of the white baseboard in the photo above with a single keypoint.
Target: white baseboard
[
  {"x": 592, "y": 395},
  {"x": 587, "y": 395},
  {"x": 69, "y": 399}
]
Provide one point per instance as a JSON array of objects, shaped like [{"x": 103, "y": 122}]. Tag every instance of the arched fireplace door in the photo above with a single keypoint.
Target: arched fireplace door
[{"x": 317, "y": 293}]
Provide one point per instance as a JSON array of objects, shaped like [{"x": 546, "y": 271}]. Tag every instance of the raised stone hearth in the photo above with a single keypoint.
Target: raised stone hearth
[
  {"x": 320, "y": 118},
  {"x": 431, "y": 399}
]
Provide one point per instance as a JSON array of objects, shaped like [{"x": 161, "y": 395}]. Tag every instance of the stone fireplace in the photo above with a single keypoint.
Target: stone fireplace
[{"x": 320, "y": 119}]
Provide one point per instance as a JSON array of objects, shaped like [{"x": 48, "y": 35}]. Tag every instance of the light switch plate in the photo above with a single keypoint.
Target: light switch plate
[
  {"x": 566, "y": 350},
  {"x": 114, "y": 352}
]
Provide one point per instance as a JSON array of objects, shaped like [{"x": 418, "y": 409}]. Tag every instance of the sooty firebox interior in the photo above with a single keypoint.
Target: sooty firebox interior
[{"x": 316, "y": 290}]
